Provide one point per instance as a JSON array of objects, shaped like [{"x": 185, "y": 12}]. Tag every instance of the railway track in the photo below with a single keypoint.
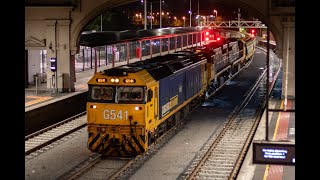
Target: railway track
[
  {"x": 99, "y": 168},
  {"x": 103, "y": 169},
  {"x": 223, "y": 158},
  {"x": 46, "y": 136},
  {"x": 96, "y": 167}
]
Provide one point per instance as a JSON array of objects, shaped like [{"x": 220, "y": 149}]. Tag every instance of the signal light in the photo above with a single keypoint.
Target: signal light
[
  {"x": 53, "y": 64},
  {"x": 218, "y": 38},
  {"x": 253, "y": 32}
]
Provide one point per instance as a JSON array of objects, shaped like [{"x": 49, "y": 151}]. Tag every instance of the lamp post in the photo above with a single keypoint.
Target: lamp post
[
  {"x": 215, "y": 11},
  {"x": 190, "y": 13},
  {"x": 198, "y": 14},
  {"x": 160, "y": 15},
  {"x": 184, "y": 21},
  {"x": 101, "y": 17},
  {"x": 151, "y": 15},
  {"x": 239, "y": 17},
  {"x": 145, "y": 13}
]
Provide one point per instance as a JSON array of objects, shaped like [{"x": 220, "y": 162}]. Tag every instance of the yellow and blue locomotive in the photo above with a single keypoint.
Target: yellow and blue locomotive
[{"x": 130, "y": 106}]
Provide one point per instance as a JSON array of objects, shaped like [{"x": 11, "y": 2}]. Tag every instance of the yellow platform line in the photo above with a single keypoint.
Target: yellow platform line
[
  {"x": 37, "y": 99},
  {"x": 34, "y": 97},
  {"x": 274, "y": 137}
]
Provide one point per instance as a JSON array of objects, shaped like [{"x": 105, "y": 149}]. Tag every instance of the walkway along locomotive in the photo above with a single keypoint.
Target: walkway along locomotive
[{"x": 130, "y": 106}]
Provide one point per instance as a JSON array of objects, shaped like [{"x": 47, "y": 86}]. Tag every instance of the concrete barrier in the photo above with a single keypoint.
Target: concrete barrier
[{"x": 55, "y": 112}]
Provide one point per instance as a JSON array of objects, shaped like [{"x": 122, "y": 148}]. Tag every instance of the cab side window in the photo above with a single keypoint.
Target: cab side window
[{"x": 150, "y": 95}]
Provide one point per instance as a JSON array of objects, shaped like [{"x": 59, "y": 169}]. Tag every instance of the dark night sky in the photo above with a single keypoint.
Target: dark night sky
[{"x": 181, "y": 7}]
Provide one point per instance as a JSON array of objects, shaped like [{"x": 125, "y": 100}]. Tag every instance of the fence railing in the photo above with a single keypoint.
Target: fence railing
[{"x": 88, "y": 58}]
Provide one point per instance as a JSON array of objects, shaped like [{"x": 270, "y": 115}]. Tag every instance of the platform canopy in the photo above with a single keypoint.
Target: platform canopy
[{"x": 101, "y": 38}]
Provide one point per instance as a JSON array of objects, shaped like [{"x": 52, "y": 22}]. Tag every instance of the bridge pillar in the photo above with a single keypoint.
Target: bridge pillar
[
  {"x": 58, "y": 46},
  {"x": 73, "y": 52},
  {"x": 288, "y": 60},
  {"x": 51, "y": 50},
  {"x": 64, "y": 55}
]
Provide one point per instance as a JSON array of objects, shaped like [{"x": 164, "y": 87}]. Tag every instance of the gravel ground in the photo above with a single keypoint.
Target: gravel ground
[{"x": 54, "y": 162}]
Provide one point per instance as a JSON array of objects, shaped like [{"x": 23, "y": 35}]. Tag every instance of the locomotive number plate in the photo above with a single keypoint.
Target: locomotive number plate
[{"x": 111, "y": 114}]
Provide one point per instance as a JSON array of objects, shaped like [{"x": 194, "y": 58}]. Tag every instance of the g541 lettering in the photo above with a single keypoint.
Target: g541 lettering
[{"x": 111, "y": 114}]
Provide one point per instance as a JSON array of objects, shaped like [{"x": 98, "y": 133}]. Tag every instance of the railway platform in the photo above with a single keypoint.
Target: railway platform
[
  {"x": 37, "y": 96},
  {"x": 281, "y": 128},
  {"x": 281, "y": 125}
]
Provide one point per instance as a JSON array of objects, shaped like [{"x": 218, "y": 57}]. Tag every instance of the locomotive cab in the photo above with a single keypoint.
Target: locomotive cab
[{"x": 118, "y": 107}]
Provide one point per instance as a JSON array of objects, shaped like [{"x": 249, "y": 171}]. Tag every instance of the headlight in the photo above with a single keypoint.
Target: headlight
[
  {"x": 137, "y": 108},
  {"x": 115, "y": 80}
]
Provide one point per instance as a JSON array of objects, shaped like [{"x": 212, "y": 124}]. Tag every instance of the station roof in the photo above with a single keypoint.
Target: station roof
[{"x": 101, "y": 38}]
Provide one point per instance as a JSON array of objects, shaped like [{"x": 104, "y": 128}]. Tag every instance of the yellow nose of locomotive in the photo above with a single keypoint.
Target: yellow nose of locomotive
[{"x": 116, "y": 130}]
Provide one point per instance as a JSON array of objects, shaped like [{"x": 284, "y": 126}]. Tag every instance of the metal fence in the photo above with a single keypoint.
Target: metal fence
[{"x": 116, "y": 54}]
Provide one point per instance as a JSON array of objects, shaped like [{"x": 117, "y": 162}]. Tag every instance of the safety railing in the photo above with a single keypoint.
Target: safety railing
[{"x": 127, "y": 52}]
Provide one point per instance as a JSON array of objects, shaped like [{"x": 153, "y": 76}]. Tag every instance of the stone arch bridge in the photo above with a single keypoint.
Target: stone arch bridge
[{"x": 56, "y": 25}]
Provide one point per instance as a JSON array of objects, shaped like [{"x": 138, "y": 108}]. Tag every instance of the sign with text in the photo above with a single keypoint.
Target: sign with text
[{"x": 270, "y": 152}]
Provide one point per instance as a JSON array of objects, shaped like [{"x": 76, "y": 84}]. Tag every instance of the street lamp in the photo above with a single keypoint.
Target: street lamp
[
  {"x": 151, "y": 21},
  {"x": 215, "y": 11},
  {"x": 151, "y": 15},
  {"x": 190, "y": 13},
  {"x": 184, "y": 21},
  {"x": 145, "y": 13},
  {"x": 161, "y": 1},
  {"x": 151, "y": 12},
  {"x": 160, "y": 15},
  {"x": 198, "y": 14}
]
